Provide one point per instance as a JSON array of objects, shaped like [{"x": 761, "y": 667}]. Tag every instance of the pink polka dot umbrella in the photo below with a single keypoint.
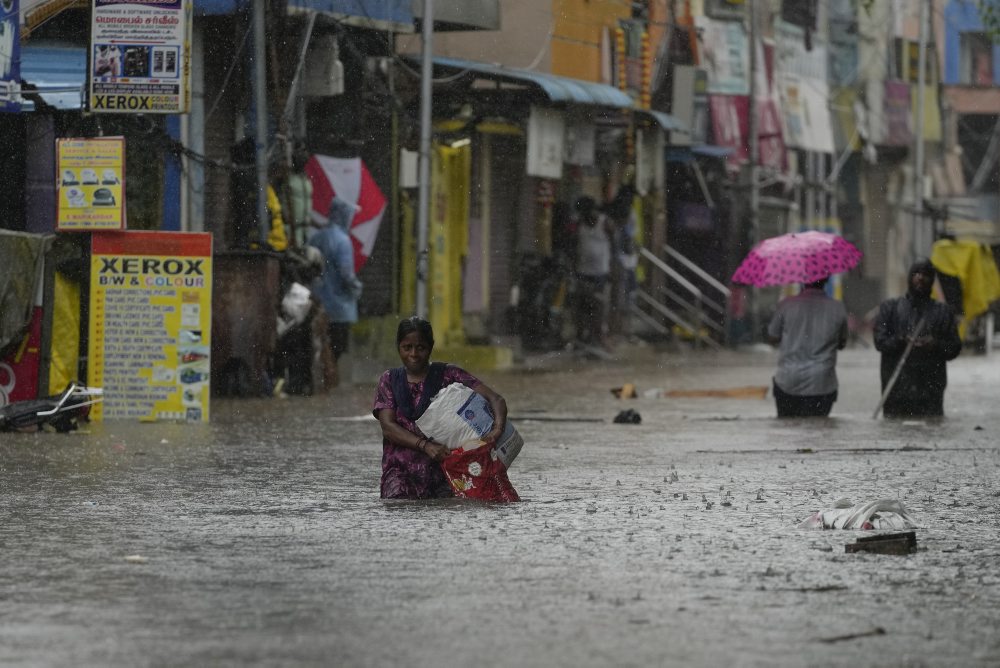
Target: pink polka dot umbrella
[{"x": 798, "y": 257}]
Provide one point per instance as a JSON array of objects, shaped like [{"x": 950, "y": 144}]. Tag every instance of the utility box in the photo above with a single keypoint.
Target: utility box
[{"x": 245, "y": 302}]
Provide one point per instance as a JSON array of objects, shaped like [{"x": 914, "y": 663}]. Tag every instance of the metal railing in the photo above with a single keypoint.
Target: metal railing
[{"x": 698, "y": 309}]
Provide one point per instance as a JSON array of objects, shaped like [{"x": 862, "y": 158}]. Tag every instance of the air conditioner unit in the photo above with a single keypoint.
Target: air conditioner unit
[{"x": 324, "y": 73}]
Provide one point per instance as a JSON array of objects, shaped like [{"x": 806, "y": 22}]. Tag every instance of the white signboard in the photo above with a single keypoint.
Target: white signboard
[
  {"x": 580, "y": 143},
  {"x": 546, "y": 138},
  {"x": 140, "y": 56},
  {"x": 725, "y": 55}
]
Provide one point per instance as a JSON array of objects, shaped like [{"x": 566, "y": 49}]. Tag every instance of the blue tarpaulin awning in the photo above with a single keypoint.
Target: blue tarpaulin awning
[
  {"x": 59, "y": 74},
  {"x": 556, "y": 88},
  {"x": 376, "y": 14}
]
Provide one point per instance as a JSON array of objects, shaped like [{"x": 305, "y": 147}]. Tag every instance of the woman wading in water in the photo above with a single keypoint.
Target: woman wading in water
[{"x": 411, "y": 466}]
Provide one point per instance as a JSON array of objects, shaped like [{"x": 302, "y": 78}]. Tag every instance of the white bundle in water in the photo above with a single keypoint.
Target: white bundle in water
[{"x": 884, "y": 514}]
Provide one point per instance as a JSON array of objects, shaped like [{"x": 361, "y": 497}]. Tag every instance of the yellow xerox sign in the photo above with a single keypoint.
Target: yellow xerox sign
[{"x": 150, "y": 325}]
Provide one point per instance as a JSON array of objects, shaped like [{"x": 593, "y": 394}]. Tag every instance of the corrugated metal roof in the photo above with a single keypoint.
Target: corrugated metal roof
[
  {"x": 556, "y": 88},
  {"x": 59, "y": 73}
]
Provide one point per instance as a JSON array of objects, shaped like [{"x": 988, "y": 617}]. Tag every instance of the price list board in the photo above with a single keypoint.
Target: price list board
[{"x": 150, "y": 323}]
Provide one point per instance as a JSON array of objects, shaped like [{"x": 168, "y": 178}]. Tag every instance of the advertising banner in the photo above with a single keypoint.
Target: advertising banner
[
  {"x": 150, "y": 325},
  {"x": 731, "y": 128},
  {"x": 725, "y": 55},
  {"x": 10, "y": 56},
  {"x": 90, "y": 178},
  {"x": 140, "y": 56}
]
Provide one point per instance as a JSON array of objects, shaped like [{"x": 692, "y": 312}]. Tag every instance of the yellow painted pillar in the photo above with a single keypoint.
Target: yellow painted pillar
[
  {"x": 407, "y": 257},
  {"x": 448, "y": 239}
]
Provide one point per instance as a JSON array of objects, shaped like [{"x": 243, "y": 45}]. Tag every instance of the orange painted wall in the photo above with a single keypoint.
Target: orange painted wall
[{"x": 576, "y": 39}]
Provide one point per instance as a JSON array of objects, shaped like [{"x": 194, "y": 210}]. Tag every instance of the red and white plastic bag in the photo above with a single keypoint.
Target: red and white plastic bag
[{"x": 479, "y": 474}]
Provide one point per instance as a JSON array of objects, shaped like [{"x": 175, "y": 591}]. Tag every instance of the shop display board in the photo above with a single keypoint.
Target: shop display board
[
  {"x": 90, "y": 184},
  {"x": 149, "y": 326},
  {"x": 140, "y": 59}
]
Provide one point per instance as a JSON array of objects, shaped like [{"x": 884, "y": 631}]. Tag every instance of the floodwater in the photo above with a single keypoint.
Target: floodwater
[{"x": 260, "y": 539}]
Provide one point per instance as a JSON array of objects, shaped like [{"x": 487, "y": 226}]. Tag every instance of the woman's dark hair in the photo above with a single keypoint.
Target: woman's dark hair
[{"x": 414, "y": 324}]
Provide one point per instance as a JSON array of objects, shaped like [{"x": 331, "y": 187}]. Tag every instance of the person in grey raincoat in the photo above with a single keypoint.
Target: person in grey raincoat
[
  {"x": 919, "y": 390},
  {"x": 338, "y": 288}
]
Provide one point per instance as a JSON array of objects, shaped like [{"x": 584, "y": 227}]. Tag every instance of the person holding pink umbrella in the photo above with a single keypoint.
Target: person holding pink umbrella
[{"x": 808, "y": 329}]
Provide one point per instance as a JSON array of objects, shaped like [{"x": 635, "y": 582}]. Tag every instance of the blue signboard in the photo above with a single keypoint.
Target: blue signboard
[{"x": 10, "y": 56}]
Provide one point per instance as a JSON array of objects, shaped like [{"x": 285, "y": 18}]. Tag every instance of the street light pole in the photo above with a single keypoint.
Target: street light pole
[
  {"x": 260, "y": 117},
  {"x": 754, "y": 132},
  {"x": 922, "y": 238},
  {"x": 423, "y": 198}
]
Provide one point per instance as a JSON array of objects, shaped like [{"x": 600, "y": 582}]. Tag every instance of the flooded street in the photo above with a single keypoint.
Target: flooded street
[{"x": 260, "y": 538}]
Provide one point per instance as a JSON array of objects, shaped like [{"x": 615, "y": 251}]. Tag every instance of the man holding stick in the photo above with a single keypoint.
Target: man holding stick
[{"x": 916, "y": 336}]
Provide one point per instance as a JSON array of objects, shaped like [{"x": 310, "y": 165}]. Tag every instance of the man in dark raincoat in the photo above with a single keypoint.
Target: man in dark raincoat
[{"x": 919, "y": 390}]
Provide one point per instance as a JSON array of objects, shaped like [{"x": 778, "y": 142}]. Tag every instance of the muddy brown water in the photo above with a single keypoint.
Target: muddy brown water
[{"x": 260, "y": 539}]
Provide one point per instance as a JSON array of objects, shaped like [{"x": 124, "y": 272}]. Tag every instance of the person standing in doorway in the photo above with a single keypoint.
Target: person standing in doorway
[
  {"x": 933, "y": 330},
  {"x": 808, "y": 329},
  {"x": 338, "y": 288},
  {"x": 625, "y": 259},
  {"x": 593, "y": 267}
]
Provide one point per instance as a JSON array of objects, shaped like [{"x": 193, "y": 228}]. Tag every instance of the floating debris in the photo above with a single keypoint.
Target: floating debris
[{"x": 893, "y": 543}]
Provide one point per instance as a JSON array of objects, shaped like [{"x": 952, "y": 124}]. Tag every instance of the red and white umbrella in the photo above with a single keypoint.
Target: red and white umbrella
[{"x": 350, "y": 180}]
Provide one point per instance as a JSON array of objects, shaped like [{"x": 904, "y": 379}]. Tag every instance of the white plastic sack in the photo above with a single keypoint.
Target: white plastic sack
[
  {"x": 295, "y": 307},
  {"x": 884, "y": 514},
  {"x": 458, "y": 416}
]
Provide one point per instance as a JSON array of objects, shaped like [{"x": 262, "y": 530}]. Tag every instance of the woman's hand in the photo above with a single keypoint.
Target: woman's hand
[
  {"x": 436, "y": 451},
  {"x": 492, "y": 437},
  {"x": 499, "y": 406}
]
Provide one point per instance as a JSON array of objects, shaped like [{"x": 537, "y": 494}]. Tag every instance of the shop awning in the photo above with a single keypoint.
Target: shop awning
[
  {"x": 665, "y": 121},
  {"x": 687, "y": 154},
  {"x": 59, "y": 74},
  {"x": 557, "y": 89}
]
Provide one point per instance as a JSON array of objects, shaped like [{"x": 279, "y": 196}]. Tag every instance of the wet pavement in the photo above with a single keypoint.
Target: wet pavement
[{"x": 260, "y": 539}]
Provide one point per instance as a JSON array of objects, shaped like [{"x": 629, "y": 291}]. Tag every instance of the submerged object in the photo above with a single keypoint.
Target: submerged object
[
  {"x": 61, "y": 412},
  {"x": 883, "y": 514}
]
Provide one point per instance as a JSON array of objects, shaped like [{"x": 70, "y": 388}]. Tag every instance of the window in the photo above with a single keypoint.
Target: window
[
  {"x": 799, "y": 12},
  {"x": 976, "y": 59}
]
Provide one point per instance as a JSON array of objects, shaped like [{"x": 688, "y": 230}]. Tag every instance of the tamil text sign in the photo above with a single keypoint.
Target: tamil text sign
[{"x": 140, "y": 56}]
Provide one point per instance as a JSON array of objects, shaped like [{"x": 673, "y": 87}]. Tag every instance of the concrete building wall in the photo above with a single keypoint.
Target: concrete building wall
[{"x": 523, "y": 41}]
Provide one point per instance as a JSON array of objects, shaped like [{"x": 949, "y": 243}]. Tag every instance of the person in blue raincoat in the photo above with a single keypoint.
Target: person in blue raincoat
[{"x": 338, "y": 288}]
